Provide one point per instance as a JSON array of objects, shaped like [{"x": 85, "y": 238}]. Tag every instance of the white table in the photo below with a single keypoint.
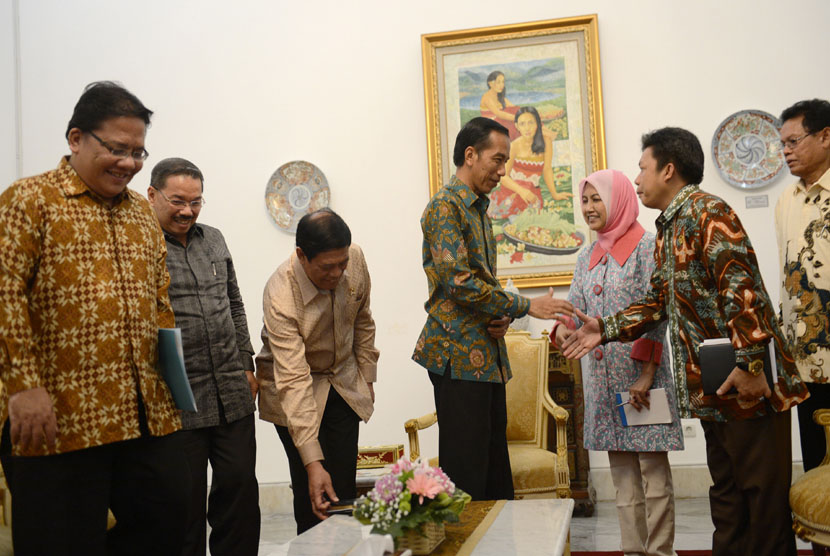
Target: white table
[{"x": 522, "y": 527}]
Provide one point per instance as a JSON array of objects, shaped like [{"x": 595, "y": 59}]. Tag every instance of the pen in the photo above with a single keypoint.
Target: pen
[{"x": 622, "y": 404}]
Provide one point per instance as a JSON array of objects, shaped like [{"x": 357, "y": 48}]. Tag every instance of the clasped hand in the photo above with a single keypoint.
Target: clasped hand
[{"x": 750, "y": 388}]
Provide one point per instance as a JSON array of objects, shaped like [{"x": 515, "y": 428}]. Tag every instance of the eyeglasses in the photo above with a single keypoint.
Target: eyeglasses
[
  {"x": 792, "y": 142},
  {"x": 179, "y": 203},
  {"x": 138, "y": 155}
]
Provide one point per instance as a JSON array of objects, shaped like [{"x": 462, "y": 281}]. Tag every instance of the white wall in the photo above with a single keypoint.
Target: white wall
[
  {"x": 240, "y": 90},
  {"x": 8, "y": 138}
]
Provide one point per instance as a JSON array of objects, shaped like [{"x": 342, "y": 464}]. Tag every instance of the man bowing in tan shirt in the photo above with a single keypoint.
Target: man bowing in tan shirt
[{"x": 318, "y": 362}]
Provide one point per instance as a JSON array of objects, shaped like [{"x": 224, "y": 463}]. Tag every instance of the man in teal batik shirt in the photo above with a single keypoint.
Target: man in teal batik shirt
[{"x": 462, "y": 342}]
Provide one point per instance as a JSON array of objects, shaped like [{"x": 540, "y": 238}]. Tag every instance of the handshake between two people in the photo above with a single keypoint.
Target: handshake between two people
[
  {"x": 544, "y": 307},
  {"x": 575, "y": 343}
]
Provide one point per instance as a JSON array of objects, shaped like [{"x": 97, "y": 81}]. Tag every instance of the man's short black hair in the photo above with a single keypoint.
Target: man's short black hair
[
  {"x": 103, "y": 100},
  {"x": 174, "y": 167},
  {"x": 322, "y": 230},
  {"x": 476, "y": 134},
  {"x": 678, "y": 146},
  {"x": 816, "y": 114}
]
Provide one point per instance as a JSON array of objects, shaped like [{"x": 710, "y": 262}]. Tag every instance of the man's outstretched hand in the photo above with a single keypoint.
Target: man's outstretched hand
[
  {"x": 548, "y": 307},
  {"x": 583, "y": 340}
]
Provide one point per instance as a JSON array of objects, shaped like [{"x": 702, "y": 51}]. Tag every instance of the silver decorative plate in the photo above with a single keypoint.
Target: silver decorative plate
[
  {"x": 294, "y": 190},
  {"x": 746, "y": 149}
]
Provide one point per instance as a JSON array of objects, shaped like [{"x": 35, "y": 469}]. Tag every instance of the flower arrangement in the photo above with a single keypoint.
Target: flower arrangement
[{"x": 410, "y": 495}]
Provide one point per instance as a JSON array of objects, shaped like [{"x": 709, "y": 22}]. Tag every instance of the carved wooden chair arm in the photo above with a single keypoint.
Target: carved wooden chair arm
[
  {"x": 563, "y": 476},
  {"x": 412, "y": 426},
  {"x": 822, "y": 418}
]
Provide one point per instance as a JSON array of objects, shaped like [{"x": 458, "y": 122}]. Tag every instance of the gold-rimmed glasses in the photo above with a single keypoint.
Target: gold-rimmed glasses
[
  {"x": 181, "y": 203},
  {"x": 792, "y": 142}
]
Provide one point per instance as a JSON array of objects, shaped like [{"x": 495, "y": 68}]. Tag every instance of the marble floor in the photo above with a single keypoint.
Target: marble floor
[
  {"x": 598, "y": 532},
  {"x": 693, "y": 527}
]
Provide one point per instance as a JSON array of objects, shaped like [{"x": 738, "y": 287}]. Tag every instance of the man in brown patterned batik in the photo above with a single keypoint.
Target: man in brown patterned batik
[
  {"x": 83, "y": 291},
  {"x": 707, "y": 285}
]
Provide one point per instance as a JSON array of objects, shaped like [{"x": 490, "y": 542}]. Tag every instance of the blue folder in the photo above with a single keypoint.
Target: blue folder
[{"x": 171, "y": 367}]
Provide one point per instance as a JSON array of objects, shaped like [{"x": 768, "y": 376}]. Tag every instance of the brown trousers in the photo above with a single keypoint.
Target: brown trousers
[{"x": 751, "y": 465}]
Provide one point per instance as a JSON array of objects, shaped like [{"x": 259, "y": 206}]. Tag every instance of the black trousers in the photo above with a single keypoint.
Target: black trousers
[
  {"x": 751, "y": 466},
  {"x": 472, "y": 436},
  {"x": 59, "y": 502},
  {"x": 338, "y": 440},
  {"x": 813, "y": 444},
  {"x": 233, "y": 505}
]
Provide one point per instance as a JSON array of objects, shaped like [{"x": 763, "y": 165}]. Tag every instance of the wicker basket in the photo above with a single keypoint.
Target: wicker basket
[{"x": 423, "y": 540}]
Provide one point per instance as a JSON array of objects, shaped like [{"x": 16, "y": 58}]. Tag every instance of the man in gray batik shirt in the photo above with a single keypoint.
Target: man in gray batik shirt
[{"x": 219, "y": 360}]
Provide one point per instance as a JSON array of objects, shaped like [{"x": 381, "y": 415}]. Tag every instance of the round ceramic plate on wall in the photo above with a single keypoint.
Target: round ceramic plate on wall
[
  {"x": 746, "y": 149},
  {"x": 295, "y": 189}
]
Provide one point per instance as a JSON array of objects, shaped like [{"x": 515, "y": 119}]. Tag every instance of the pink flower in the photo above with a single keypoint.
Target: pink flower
[{"x": 423, "y": 485}]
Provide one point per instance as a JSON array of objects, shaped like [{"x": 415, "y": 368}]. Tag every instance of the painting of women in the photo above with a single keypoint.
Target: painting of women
[
  {"x": 494, "y": 103},
  {"x": 527, "y": 169}
]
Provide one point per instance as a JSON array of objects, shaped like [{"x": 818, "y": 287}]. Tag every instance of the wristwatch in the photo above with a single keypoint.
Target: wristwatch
[{"x": 755, "y": 367}]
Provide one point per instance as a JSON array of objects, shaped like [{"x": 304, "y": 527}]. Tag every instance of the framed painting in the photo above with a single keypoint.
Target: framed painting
[{"x": 541, "y": 80}]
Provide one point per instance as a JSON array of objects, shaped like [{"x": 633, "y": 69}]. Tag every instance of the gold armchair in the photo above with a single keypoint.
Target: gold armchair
[
  {"x": 537, "y": 472},
  {"x": 810, "y": 496}
]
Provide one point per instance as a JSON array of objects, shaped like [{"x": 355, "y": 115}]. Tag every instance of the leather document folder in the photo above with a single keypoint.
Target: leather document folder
[{"x": 717, "y": 360}]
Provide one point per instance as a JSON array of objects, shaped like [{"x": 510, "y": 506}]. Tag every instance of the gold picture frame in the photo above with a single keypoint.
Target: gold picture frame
[{"x": 552, "y": 68}]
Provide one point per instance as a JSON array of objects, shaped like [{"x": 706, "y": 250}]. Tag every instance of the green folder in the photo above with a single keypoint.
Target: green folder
[{"x": 171, "y": 367}]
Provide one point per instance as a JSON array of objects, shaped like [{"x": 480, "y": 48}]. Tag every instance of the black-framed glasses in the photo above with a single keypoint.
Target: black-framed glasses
[
  {"x": 180, "y": 203},
  {"x": 794, "y": 141},
  {"x": 138, "y": 155}
]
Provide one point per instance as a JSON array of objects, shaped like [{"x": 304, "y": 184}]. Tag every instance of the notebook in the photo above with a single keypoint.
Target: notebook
[{"x": 657, "y": 414}]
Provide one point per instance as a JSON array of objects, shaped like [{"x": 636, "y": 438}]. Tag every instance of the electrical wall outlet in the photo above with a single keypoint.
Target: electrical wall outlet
[{"x": 689, "y": 431}]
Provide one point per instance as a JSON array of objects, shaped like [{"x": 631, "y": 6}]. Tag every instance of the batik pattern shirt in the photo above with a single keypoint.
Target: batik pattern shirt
[
  {"x": 802, "y": 222},
  {"x": 459, "y": 259},
  {"x": 83, "y": 292},
  {"x": 707, "y": 284}
]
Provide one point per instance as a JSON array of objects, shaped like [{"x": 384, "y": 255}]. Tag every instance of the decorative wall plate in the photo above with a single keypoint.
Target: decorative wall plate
[
  {"x": 746, "y": 149},
  {"x": 295, "y": 189}
]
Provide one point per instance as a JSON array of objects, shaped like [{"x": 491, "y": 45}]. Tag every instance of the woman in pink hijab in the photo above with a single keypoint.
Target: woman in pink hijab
[{"x": 611, "y": 274}]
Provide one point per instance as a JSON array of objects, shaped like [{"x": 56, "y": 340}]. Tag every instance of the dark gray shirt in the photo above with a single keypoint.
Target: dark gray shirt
[{"x": 209, "y": 310}]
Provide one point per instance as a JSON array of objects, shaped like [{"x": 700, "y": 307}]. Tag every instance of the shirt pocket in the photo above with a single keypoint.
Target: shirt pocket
[
  {"x": 216, "y": 285},
  {"x": 219, "y": 267}
]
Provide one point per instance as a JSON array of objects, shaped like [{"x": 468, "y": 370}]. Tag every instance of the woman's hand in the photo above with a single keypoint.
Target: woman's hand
[
  {"x": 638, "y": 392},
  {"x": 562, "y": 333}
]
